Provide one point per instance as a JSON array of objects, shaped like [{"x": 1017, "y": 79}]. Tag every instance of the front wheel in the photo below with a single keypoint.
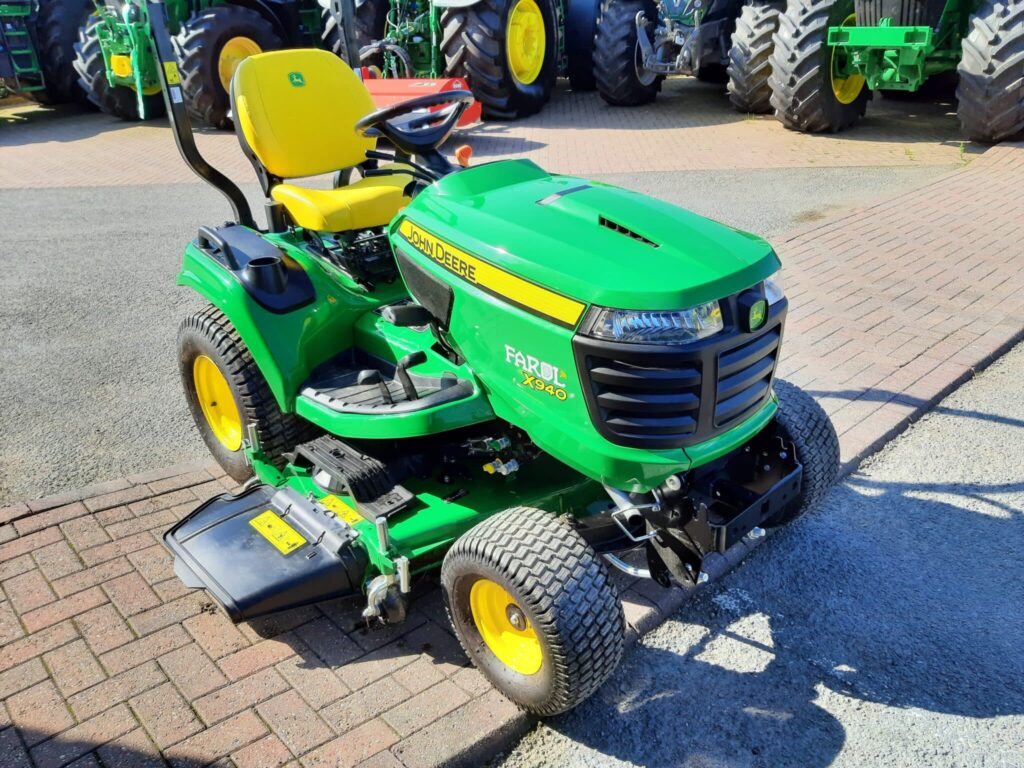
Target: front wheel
[
  {"x": 812, "y": 88},
  {"x": 803, "y": 421},
  {"x": 507, "y": 51},
  {"x": 621, "y": 77},
  {"x": 535, "y": 609}
]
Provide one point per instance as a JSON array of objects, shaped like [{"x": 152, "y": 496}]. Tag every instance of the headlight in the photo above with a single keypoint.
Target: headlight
[
  {"x": 676, "y": 326},
  {"x": 773, "y": 288}
]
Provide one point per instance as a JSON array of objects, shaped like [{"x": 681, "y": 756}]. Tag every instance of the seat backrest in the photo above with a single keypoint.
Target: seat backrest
[{"x": 296, "y": 110}]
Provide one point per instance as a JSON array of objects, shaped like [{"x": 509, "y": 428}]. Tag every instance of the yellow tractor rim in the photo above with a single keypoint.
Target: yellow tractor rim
[
  {"x": 525, "y": 41},
  {"x": 846, "y": 89},
  {"x": 217, "y": 402},
  {"x": 231, "y": 55},
  {"x": 504, "y": 627}
]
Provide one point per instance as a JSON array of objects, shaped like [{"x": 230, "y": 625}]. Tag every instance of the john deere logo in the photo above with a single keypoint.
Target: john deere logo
[
  {"x": 758, "y": 313},
  {"x": 296, "y": 79}
]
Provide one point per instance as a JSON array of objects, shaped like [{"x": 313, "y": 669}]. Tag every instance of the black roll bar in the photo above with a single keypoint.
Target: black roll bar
[{"x": 170, "y": 79}]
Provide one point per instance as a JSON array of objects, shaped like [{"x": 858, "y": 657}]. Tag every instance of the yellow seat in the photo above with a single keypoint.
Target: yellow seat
[{"x": 295, "y": 115}]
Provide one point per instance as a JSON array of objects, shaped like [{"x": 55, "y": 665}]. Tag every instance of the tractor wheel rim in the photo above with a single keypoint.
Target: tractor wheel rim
[
  {"x": 525, "y": 41},
  {"x": 231, "y": 55},
  {"x": 218, "y": 403},
  {"x": 845, "y": 89},
  {"x": 496, "y": 616}
]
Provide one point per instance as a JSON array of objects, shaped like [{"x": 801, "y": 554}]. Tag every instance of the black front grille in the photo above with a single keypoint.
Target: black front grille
[{"x": 655, "y": 396}]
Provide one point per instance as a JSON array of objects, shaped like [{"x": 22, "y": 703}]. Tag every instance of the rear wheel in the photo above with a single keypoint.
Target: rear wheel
[
  {"x": 621, "y": 79},
  {"x": 506, "y": 50},
  {"x": 227, "y": 393},
  {"x": 117, "y": 100},
  {"x": 749, "y": 58},
  {"x": 803, "y": 421},
  {"x": 210, "y": 46},
  {"x": 535, "y": 609},
  {"x": 57, "y": 25},
  {"x": 991, "y": 87},
  {"x": 809, "y": 90}
]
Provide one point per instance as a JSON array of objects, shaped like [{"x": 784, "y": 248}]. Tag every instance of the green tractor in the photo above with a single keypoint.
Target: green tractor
[
  {"x": 519, "y": 379},
  {"x": 640, "y": 42},
  {"x": 831, "y": 55},
  {"x": 37, "y": 39},
  {"x": 509, "y": 51},
  {"x": 117, "y": 64}
]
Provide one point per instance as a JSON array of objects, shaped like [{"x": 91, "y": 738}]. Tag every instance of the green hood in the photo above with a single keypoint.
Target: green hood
[{"x": 590, "y": 241}]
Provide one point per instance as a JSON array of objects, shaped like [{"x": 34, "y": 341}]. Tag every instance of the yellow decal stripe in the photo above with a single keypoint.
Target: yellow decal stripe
[
  {"x": 282, "y": 536},
  {"x": 486, "y": 275}
]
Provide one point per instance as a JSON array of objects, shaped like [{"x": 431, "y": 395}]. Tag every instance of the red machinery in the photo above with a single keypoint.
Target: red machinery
[{"x": 386, "y": 91}]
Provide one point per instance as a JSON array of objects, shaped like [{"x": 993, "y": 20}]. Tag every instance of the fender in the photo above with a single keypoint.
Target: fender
[{"x": 286, "y": 346}]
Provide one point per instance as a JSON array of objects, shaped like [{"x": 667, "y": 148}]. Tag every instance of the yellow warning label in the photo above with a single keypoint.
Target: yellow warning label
[
  {"x": 342, "y": 510},
  {"x": 171, "y": 71},
  {"x": 275, "y": 530},
  {"x": 497, "y": 281}
]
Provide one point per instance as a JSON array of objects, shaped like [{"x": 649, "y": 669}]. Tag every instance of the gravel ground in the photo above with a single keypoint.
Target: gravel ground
[
  {"x": 884, "y": 629},
  {"x": 89, "y": 309}
]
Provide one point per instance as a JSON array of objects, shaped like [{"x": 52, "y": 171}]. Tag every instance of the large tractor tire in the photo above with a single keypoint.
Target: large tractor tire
[
  {"x": 226, "y": 394},
  {"x": 991, "y": 87},
  {"x": 367, "y": 27},
  {"x": 209, "y": 47},
  {"x": 57, "y": 25},
  {"x": 805, "y": 93},
  {"x": 750, "y": 58},
  {"x": 507, "y": 51},
  {"x": 803, "y": 421},
  {"x": 116, "y": 100},
  {"x": 535, "y": 609},
  {"x": 580, "y": 28},
  {"x": 617, "y": 57}
]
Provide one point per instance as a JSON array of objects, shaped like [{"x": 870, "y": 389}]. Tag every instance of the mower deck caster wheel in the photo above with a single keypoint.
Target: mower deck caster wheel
[{"x": 535, "y": 609}]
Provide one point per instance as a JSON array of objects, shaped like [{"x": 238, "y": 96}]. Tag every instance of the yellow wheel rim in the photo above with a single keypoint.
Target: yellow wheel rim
[
  {"x": 496, "y": 616},
  {"x": 217, "y": 402},
  {"x": 846, "y": 89},
  {"x": 231, "y": 55},
  {"x": 525, "y": 41}
]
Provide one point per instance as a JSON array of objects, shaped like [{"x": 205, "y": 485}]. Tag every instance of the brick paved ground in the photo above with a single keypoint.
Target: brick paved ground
[
  {"x": 106, "y": 657},
  {"x": 690, "y": 126}
]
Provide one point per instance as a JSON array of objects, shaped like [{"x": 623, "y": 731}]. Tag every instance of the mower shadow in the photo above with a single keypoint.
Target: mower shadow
[
  {"x": 921, "y": 405},
  {"x": 900, "y": 612}
]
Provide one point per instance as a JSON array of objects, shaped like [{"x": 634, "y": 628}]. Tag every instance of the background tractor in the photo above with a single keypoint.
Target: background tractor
[
  {"x": 830, "y": 55},
  {"x": 37, "y": 40},
  {"x": 509, "y": 51},
  {"x": 118, "y": 67},
  {"x": 639, "y": 42}
]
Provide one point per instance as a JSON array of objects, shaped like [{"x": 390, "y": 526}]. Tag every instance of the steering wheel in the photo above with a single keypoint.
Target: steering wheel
[{"x": 412, "y": 126}]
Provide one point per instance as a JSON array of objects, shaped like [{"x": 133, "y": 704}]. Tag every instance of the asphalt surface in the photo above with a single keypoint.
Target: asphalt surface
[
  {"x": 89, "y": 309},
  {"x": 883, "y": 629}
]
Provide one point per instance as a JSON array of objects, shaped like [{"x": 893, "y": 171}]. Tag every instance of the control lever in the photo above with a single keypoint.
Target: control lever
[
  {"x": 373, "y": 377},
  {"x": 402, "y": 372}
]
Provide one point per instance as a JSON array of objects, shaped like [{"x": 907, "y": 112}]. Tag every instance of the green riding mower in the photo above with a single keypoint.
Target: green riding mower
[
  {"x": 509, "y": 51},
  {"x": 640, "y": 42},
  {"x": 37, "y": 39},
  {"x": 518, "y": 378},
  {"x": 117, "y": 65},
  {"x": 831, "y": 55}
]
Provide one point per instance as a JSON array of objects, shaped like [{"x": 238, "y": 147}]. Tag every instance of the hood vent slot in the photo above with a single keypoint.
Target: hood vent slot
[{"x": 609, "y": 224}]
